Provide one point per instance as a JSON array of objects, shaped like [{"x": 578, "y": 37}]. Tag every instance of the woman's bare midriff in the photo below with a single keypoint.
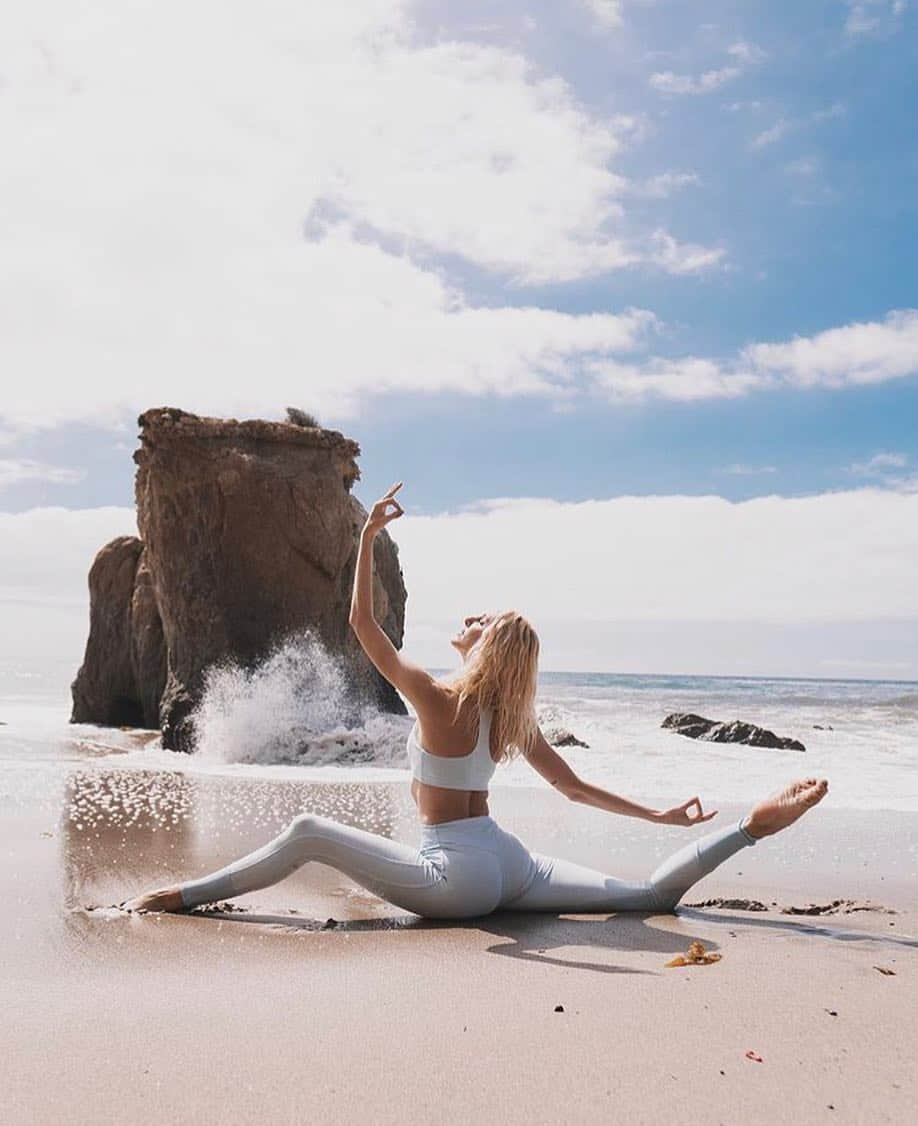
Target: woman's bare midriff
[{"x": 436, "y": 803}]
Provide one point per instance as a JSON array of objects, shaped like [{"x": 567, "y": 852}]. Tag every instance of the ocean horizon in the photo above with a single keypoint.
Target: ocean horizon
[{"x": 292, "y": 716}]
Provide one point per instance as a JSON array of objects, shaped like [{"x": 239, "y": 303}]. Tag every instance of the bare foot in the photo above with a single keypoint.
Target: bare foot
[
  {"x": 782, "y": 809},
  {"x": 169, "y": 899}
]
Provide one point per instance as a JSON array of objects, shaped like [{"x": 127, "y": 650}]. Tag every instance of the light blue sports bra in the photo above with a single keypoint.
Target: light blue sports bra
[{"x": 461, "y": 772}]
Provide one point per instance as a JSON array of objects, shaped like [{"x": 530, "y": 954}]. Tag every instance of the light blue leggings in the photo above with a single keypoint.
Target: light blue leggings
[{"x": 464, "y": 869}]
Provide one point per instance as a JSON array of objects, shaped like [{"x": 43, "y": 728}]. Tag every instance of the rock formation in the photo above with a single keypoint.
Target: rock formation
[
  {"x": 248, "y": 534},
  {"x": 561, "y": 737},
  {"x": 713, "y": 731}
]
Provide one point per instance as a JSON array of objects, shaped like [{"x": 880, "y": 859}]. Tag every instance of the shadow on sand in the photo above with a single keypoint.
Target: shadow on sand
[{"x": 531, "y": 936}]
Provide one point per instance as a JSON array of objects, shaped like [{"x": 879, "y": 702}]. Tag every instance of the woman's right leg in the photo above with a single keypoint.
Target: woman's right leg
[
  {"x": 395, "y": 871},
  {"x": 561, "y": 885}
]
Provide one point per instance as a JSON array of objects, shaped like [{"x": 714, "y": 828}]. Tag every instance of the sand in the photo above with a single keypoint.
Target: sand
[{"x": 314, "y": 1001}]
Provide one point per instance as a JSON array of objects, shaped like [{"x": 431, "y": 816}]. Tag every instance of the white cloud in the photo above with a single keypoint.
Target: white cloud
[
  {"x": 858, "y": 353},
  {"x": 667, "y": 82},
  {"x": 687, "y": 379},
  {"x": 578, "y": 568},
  {"x": 375, "y": 323},
  {"x": 772, "y": 134},
  {"x": 609, "y": 14},
  {"x": 666, "y": 183},
  {"x": 891, "y": 470},
  {"x": 46, "y": 553},
  {"x": 17, "y": 470},
  {"x": 669, "y": 558},
  {"x": 865, "y": 16},
  {"x": 739, "y": 469},
  {"x": 606, "y": 13},
  {"x": 855, "y": 354},
  {"x": 217, "y": 207},
  {"x": 879, "y": 464},
  {"x": 745, "y": 54},
  {"x": 734, "y": 107},
  {"x": 684, "y": 258},
  {"x": 804, "y": 166},
  {"x": 784, "y": 126}
]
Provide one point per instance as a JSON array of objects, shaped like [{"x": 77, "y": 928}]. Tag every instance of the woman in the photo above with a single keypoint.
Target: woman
[{"x": 467, "y": 865}]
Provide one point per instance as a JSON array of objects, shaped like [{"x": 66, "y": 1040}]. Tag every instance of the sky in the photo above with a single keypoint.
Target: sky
[{"x": 625, "y": 292}]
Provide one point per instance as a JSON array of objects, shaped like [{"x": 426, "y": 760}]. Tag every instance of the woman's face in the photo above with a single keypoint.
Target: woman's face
[{"x": 472, "y": 628}]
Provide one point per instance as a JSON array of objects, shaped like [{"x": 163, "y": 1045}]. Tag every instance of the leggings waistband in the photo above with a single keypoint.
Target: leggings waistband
[{"x": 462, "y": 828}]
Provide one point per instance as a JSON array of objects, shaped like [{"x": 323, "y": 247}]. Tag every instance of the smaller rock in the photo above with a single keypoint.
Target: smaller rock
[
  {"x": 561, "y": 737},
  {"x": 715, "y": 731},
  {"x": 559, "y": 1008}
]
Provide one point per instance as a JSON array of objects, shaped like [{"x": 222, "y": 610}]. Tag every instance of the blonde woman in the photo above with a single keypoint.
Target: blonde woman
[{"x": 467, "y": 865}]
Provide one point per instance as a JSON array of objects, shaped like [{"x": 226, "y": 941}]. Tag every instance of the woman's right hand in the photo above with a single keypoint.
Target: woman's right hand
[
  {"x": 680, "y": 815},
  {"x": 380, "y": 515}
]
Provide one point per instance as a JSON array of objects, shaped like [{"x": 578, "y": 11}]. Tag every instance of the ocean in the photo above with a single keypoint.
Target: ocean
[{"x": 294, "y": 717}]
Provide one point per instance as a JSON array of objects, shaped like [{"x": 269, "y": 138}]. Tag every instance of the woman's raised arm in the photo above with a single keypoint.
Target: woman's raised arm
[{"x": 410, "y": 679}]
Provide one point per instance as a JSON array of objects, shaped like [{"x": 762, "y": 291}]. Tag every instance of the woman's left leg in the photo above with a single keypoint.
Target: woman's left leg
[
  {"x": 562, "y": 885},
  {"x": 404, "y": 876}
]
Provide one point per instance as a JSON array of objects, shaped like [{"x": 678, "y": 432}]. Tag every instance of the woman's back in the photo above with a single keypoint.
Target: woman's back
[{"x": 452, "y": 760}]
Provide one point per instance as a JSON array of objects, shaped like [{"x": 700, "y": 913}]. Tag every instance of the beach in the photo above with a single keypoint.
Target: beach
[{"x": 314, "y": 1000}]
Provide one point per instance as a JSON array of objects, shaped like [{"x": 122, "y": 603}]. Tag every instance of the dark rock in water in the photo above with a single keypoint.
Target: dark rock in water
[
  {"x": 713, "y": 731},
  {"x": 561, "y": 737},
  {"x": 249, "y": 534},
  {"x": 820, "y": 727}
]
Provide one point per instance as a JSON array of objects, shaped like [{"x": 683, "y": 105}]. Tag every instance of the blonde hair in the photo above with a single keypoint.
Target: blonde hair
[{"x": 501, "y": 675}]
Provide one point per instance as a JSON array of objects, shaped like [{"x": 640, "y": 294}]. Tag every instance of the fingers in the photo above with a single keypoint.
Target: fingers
[{"x": 387, "y": 508}]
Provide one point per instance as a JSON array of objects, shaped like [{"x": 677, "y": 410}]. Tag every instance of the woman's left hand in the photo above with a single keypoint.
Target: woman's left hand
[
  {"x": 680, "y": 815},
  {"x": 379, "y": 515}
]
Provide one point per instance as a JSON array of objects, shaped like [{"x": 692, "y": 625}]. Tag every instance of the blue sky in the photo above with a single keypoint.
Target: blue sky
[
  {"x": 572, "y": 251},
  {"x": 820, "y": 227}
]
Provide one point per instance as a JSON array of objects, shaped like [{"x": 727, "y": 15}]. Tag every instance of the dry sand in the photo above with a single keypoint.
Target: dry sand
[{"x": 261, "y": 1015}]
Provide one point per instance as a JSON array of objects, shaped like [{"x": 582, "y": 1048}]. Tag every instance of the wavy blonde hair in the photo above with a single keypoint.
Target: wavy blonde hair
[{"x": 501, "y": 674}]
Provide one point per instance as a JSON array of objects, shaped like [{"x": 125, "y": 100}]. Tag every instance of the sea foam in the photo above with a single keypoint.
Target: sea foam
[{"x": 296, "y": 706}]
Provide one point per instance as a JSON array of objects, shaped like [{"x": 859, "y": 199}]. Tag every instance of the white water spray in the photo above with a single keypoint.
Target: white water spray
[{"x": 296, "y": 706}]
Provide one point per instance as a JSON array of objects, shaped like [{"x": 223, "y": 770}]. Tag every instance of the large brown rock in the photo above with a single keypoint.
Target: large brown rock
[{"x": 249, "y": 534}]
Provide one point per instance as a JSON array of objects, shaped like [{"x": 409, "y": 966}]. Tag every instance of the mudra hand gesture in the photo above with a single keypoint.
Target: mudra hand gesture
[
  {"x": 680, "y": 815},
  {"x": 379, "y": 515}
]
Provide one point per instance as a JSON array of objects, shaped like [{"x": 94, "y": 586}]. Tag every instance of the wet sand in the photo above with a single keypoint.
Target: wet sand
[{"x": 313, "y": 1000}]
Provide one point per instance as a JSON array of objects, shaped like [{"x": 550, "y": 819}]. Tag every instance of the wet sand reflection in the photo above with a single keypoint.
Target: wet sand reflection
[{"x": 123, "y": 832}]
